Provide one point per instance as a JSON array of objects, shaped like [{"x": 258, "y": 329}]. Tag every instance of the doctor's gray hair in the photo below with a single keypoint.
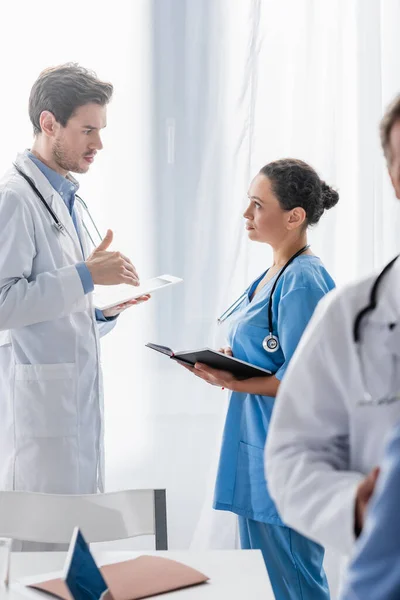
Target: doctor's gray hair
[
  {"x": 61, "y": 90},
  {"x": 296, "y": 184},
  {"x": 391, "y": 116}
]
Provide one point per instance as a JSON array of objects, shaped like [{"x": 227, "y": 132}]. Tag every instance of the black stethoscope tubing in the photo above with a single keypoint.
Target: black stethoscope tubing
[
  {"x": 373, "y": 301},
  {"x": 271, "y": 342},
  {"x": 57, "y": 223}
]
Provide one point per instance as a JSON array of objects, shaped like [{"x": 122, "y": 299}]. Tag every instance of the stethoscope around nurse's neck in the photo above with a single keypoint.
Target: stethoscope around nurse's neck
[{"x": 270, "y": 342}]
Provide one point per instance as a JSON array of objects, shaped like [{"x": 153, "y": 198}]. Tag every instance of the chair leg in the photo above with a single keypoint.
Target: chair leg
[{"x": 160, "y": 519}]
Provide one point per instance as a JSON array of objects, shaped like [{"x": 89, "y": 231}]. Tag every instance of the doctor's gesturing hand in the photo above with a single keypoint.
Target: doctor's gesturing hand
[{"x": 110, "y": 268}]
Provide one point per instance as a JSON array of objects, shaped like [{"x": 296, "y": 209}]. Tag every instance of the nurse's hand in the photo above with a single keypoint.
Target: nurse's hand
[
  {"x": 226, "y": 350},
  {"x": 216, "y": 377},
  {"x": 117, "y": 310}
]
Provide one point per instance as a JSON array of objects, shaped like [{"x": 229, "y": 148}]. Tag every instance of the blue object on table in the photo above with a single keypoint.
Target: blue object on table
[{"x": 83, "y": 577}]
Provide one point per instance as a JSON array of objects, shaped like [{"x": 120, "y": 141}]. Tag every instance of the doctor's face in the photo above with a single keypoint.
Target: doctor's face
[
  {"x": 394, "y": 166},
  {"x": 265, "y": 219},
  {"x": 75, "y": 145}
]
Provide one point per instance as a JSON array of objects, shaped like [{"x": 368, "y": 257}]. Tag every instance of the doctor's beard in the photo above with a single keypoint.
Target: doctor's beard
[{"x": 68, "y": 160}]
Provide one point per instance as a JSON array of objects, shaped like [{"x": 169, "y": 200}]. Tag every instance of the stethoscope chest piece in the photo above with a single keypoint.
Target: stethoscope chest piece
[
  {"x": 270, "y": 343},
  {"x": 59, "y": 227}
]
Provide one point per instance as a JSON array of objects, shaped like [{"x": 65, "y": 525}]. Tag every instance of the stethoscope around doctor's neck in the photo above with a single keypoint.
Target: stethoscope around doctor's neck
[
  {"x": 369, "y": 308},
  {"x": 373, "y": 302},
  {"x": 60, "y": 228},
  {"x": 270, "y": 342}
]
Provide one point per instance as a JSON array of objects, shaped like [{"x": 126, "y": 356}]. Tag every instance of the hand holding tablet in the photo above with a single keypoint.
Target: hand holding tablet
[{"x": 108, "y": 296}]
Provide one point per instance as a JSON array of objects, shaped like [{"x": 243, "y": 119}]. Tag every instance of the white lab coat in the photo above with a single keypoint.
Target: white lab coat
[
  {"x": 51, "y": 404},
  {"x": 323, "y": 438}
]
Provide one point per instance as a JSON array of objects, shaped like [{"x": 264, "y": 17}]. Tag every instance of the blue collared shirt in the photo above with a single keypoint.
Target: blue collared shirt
[{"x": 67, "y": 189}]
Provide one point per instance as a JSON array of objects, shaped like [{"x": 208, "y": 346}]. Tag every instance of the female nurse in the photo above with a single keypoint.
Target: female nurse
[{"x": 265, "y": 325}]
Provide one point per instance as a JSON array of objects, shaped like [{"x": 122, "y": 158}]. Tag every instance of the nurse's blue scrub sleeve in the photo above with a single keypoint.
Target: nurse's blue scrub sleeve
[
  {"x": 295, "y": 311},
  {"x": 374, "y": 573}
]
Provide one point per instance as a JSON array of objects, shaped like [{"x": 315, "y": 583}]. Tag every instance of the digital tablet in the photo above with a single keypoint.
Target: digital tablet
[{"x": 107, "y": 296}]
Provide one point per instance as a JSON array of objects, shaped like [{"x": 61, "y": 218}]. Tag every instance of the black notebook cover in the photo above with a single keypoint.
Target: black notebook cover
[{"x": 216, "y": 360}]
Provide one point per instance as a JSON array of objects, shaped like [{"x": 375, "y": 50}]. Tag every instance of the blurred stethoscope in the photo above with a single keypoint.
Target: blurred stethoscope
[
  {"x": 369, "y": 308},
  {"x": 270, "y": 342},
  {"x": 60, "y": 228}
]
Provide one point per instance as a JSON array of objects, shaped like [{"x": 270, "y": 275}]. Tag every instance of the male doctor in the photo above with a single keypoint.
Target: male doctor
[
  {"x": 339, "y": 399},
  {"x": 51, "y": 406}
]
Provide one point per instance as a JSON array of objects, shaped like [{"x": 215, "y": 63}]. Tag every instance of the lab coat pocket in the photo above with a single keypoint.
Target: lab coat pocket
[
  {"x": 251, "y": 494},
  {"x": 45, "y": 400}
]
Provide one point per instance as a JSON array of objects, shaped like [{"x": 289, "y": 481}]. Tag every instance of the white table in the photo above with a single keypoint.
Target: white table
[{"x": 234, "y": 574}]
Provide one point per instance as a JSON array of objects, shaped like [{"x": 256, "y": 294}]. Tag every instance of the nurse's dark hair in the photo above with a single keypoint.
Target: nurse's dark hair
[
  {"x": 389, "y": 119},
  {"x": 63, "y": 89},
  {"x": 296, "y": 184}
]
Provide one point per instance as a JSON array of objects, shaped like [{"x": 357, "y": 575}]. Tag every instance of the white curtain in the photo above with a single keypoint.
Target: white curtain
[
  {"x": 311, "y": 79},
  {"x": 300, "y": 78},
  {"x": 206, "y": 93}
]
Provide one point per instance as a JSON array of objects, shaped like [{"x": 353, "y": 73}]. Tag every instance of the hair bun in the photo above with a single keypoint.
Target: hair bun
[{"x": 329, "y": 196}]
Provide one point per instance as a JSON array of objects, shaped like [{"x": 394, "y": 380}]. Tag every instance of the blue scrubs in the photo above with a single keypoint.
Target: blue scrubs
[
  {"x": 294, "y": 563},
  {"x": 374, "y": 572}
]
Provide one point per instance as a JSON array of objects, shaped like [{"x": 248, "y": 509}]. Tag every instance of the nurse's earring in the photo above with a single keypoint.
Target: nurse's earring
[{"x": 270, "y": 343}]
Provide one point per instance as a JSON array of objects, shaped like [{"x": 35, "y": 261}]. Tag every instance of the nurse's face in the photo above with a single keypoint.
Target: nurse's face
[
  {"x": 394, "y": 166},
  {"x": 266, "y": 221}
]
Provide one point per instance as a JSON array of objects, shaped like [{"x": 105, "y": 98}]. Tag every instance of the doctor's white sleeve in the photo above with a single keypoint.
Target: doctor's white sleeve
[
  {"x": 307, "y": 451},
  {"x": 24, "y": 301}
]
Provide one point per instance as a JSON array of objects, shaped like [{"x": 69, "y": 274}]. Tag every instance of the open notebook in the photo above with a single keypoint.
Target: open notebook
[
  {"x": 140, "y": 577},
  {"x": 214, "y": 359}
]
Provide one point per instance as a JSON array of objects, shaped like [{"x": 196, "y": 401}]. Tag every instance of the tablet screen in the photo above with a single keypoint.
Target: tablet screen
[
  {"x": 106, "y": 296},
  {"x": 155, "y": 283}
]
